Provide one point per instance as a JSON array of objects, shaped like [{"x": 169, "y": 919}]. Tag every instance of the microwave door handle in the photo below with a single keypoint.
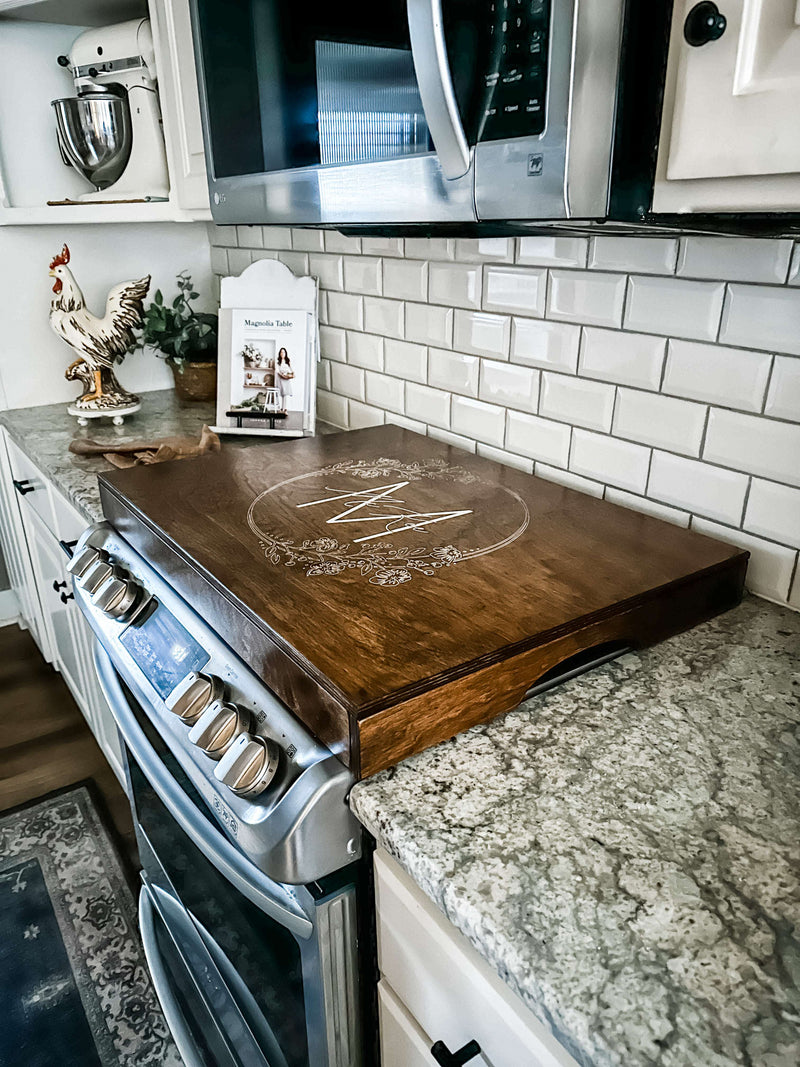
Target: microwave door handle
[
  {"x": 273, "y": 898},
  {"x": 429, "y": 52}
]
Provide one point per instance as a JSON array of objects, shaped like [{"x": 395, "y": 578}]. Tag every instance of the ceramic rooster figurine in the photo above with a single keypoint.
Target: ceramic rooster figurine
[{"x": 99, "y": 342}]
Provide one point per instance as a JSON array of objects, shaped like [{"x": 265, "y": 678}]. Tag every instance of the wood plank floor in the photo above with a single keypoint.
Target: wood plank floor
[{"x": 45, "y": 742}]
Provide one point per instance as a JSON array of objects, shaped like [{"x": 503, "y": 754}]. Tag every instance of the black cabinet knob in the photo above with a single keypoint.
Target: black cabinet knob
[
  {"x": 704, "y": 23},
  {"x": 23, "y": 486},
  {"x": 58, "y": 585},
  {"x": 445, "y": 1058},
  {"x": 66, "y": 597}
]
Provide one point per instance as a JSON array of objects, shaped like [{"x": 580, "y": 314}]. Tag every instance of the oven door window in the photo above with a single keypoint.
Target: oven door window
[
  {"x": 265, "y": 954},
  {"x": 291, "y": 84}
]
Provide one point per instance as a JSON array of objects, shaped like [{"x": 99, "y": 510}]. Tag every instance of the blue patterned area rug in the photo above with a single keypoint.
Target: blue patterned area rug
[{"x": 74, "y": 985}]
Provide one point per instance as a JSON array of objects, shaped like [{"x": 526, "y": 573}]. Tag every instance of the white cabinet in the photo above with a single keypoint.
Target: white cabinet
[
  {"x": 730, "y": 139},
  {"x": 435, "y": 987},
  {"x": 34, "y": 526}
]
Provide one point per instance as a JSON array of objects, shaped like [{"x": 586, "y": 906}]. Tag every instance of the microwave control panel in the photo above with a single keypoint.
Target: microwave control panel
[{"x": 515, "y": 81}]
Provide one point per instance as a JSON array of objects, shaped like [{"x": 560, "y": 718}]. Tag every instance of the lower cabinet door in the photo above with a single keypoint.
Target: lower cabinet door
[
  {"x": 403, "y": 1044},
  {"x": 97, "y": 710}
]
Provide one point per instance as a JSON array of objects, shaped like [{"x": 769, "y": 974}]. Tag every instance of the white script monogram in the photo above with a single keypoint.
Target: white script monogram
[{"x": 395, "y": 512}]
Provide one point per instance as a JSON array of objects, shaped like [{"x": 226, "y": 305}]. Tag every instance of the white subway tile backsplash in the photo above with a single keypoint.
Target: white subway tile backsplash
[
  {"x": 327, "y": 269},
  {"x": 774, "y": 511},
  {"x": 762, "y": 316},
  {"x": 332, "y": 408},
  {"x": 453, "y": 371},
  {"x": 450, "y": 338},
  {"x": 454, "y": 285},
  {"x": 703, "y": 489},
  {"x": 405, "y": 279},
  {"x": 518, "y": 290},
  {"x": 769, "y": 570},
  {"x": 481, "y": 249},
  {"x": 545, "y": 251},
  {"x": 308, "y": 240},
  {"x": 647, "y": 507},
  {"x": 550, "y": 345},
  {"x": 347, "y": 380},
  {"x": 405, "y": 360},
  {"x": 541, "y": 439},
  {"x": 508, "y": 459},
  {"x": 481, "y": 333},
  {"x": 383, "y": 316},
  {"x": 345, "y": 310},
  {"x": 363, "y": 274},
  {"x": 483, "y": 422},
  {"x": 362, "y": 415},
  {"x": 732, "y": 377},
  {"x": 454, "y": 439},
  {"x": 759, "y": 446},
  {"x": 586, "y": 297},
  {"x": 610, "y": 460},
  {"x": 662, "y": 421},
  {"x": 577, "y": 401},
  {"x": 736, "y": 259},
  {"x": 385, "y": 392},
  {"x": 337, "y": 242},
  {"x": 640, "y": 255},
  {"x": 509, "y": 385},
  {"x": 365, "y": 350},
  {"x": 219, "y": 260},
  {"x": 333, "y": 343},
  {"x": 382, "y": 246},
  {"x": 783, "y": 398},
  {"x": 566, "y": 478},
  {"x": 428, "y": 405},
  {"x": 430, "y": 247},
  {"x": 674, "y": 306},
  {"x": 627, "y": 358},
  {"x": 429, "y": 325}
]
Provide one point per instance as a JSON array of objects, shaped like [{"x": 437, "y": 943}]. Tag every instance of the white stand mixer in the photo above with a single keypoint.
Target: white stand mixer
[{"x": 111, "y": 131}]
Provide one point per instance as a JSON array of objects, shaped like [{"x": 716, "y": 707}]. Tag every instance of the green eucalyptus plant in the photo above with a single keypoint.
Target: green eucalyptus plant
[{"x": 178, "y": 332}]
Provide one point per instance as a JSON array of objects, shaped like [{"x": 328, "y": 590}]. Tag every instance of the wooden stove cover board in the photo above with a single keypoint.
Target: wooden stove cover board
[{"x": 392, "y": 562}]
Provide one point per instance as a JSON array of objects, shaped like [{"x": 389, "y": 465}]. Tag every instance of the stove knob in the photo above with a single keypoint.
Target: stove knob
[
  {"x": 218, "y": 727},
  {"x": 83, "y": 560},
  {"x": 97, "y": 573},
  {"x": 190, "y": 698},
  {"x": 117, "y": 596},
  {"x": 248, "y": 766}
]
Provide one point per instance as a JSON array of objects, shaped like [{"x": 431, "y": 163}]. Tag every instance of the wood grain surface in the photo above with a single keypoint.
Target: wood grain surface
[{"x": 377, "y": 576}]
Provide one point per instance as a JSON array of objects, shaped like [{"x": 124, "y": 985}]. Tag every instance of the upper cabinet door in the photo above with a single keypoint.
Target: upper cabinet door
[
  {"x": 180, "y": 104},
  {"x": 737, "y": 98}
]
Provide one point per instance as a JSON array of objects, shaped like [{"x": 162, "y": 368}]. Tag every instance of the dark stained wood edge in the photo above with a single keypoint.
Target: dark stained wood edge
[{"x": 398, "y": 732}]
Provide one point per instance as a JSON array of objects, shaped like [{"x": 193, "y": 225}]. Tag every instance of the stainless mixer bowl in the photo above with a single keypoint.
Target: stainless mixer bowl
[{"x": 95, "y": 135}]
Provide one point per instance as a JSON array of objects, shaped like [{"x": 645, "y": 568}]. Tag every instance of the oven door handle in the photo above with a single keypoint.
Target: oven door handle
[
  {"x": 273, "y": 898},
  {"x": 432, "y": 67},
  {"x": 169, "y": 1005}
]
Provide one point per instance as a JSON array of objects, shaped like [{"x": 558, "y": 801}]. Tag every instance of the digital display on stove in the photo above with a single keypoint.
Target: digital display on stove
[{"x": 163, "y": 650}]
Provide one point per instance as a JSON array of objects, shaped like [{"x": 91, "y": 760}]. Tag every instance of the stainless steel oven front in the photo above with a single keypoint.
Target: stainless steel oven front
[{"x": 250, "y": 905}]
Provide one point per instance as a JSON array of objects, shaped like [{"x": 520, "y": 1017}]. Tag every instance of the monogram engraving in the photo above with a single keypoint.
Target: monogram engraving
[{"x": 367, "y": 499}]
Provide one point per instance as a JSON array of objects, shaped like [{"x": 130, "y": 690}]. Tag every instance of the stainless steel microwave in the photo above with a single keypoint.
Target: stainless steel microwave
[{"x": 429, "y": 112}]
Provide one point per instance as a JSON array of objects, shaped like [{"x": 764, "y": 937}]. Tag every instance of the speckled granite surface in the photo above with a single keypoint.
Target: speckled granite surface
[
  {"x": 44, "y": 433},
  {"x": 625, "y": 849}
]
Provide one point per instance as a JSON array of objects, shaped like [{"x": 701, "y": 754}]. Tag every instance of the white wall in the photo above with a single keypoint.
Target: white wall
[
  {"x": 661, "y": 374},
  {"x": 32, "y": 358}
]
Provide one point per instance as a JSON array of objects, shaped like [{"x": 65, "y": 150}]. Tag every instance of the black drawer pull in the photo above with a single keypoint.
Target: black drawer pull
[
  {"x": 67, "y": 596},
  {"x": 23, "y": 486},
  {"x": 58, "y": 585},
  {"x": 68, "y": 546},
  {"x": 704, "y": 24},
  {"x": 445, "y": 1058}
]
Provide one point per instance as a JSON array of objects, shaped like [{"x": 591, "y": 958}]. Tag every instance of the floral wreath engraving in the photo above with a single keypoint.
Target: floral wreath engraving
[{"x": 382, "y": 564}]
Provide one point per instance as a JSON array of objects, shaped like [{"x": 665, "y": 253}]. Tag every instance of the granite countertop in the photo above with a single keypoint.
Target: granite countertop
[
  {"x": 625, "y": 849},
  {"x": 44, "y": 434}
]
